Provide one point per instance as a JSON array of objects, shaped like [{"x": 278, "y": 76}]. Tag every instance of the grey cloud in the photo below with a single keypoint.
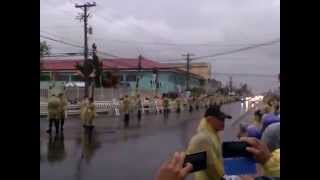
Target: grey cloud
[{"x": 175, "y": 21}]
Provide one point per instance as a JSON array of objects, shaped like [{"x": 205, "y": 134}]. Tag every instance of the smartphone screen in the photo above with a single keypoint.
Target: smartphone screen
[
  {"x": 235, "y": 149},
  {"x": 198, "y": 161}
]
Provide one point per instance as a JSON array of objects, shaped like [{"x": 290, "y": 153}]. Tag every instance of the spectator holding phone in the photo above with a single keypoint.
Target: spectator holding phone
[
  {"x": 207, "y": 139},
  {"x": 174, "y": 168},
  {"x": 269, "y": 160}
]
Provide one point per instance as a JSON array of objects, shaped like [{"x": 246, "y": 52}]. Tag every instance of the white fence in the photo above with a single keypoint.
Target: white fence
[
  {"x": 101, "y": 94},
  {"x": 113, "y": 107},
  {"x": 74, "y": 109}
]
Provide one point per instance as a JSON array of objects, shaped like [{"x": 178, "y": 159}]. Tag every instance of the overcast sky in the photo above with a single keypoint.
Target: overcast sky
[{"x": 128, "y": 28}]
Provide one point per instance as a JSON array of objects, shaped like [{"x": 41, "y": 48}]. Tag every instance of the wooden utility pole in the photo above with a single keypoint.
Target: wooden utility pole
[
  {"x": 86, "y": 65},
  {"x": 188, "y": 69}
]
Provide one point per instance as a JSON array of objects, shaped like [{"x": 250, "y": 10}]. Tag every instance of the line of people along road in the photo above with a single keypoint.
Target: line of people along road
[
  {"x": 262, "y": 132},
  {"x": 129, "y": 106}
]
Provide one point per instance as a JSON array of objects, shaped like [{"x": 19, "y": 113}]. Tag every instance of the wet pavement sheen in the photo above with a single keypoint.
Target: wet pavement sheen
[{"x": 115, "y": 153}]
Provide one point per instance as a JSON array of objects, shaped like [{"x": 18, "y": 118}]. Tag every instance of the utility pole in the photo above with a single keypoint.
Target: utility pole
[
  {"x": 139, "y": 71},
  {"x": 188, "y": 69},
  {"x": 156, "y": 80},
  {"x": 230, "y": 84},
  {"x": 87, "y": 69}
]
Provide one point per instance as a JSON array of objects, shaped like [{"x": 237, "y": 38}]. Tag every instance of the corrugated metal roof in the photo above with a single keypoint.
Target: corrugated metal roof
[
  {"x": 107, "y": 63},
  {"x": 120, "y": 64}
]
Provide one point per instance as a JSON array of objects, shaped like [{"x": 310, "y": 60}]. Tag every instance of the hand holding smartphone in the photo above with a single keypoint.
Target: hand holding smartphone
[
  {"x": 198, "y": 161},
  {"x": 235, "y": 149},
  {"x": 237, "y": 160}
]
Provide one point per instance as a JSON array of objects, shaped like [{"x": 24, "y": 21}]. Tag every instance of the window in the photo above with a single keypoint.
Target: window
[
  {"x": 44, "y": 77},
  {"x": 76, "y": 78},
  {"x": 131, "y": 77}
]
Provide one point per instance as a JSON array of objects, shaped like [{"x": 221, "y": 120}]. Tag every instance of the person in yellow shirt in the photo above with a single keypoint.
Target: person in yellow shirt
[
  {"x": 138, "y": 103},
  {"x": 53, "y": 112},
  {"x": 126, "y": 105},
  {"x": 83, "y": 107},
  {"x": 165, "y": 105},
  {"x": 207, "y": 139},
  {"x": 89, "y": 115}
]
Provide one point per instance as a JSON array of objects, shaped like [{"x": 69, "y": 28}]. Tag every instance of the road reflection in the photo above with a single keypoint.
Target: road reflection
[
  {"x": 56, "y": 149},
  {"x": 90, "y": 144}
]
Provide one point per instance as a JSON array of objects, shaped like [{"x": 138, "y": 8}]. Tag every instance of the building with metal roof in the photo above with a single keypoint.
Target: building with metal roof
[{"x": 170, "y": 78}]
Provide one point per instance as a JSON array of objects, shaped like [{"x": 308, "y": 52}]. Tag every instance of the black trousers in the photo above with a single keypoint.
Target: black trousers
[
  {"x": 126, "y": 120},
  {"x": 55, "y": 122},
  {"x": 190, "y": 108},
  {"x": 139, "y": 115},
  {"x": 62, "y": 121},
  {"x": 165, "y": 111}
]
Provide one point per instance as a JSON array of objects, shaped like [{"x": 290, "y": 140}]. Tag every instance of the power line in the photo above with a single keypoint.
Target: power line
[
  {"x": 239, "y": 50},
  {"x": 60, "y": 41},
  {"x": 57, "y": 36},
  {"x": 64, "y": 54},
  {"x": 75, "y": 45},
  {"x": 177, "y": 44},
  {"x": 246, "y": 74},
  {"x": 228, "y": 52}
]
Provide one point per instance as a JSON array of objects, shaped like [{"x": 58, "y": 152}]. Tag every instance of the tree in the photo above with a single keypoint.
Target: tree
[
  {"x": 44, "y": 50},
  {"x": 98, "y": 66}
]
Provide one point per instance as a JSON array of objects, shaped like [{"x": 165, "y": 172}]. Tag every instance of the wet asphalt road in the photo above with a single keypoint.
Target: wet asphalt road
[{"x": 115, "y": 153}]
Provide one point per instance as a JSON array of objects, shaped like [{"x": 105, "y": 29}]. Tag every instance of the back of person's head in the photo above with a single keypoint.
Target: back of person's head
[
  {"x": 271, "y": 136},
  {"x": 269, "y": 119},
  {"x": 253, "y": 131},
  {"x": 91, "y": 99}
]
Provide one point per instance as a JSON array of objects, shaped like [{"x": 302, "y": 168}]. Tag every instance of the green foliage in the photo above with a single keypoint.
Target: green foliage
[{"x": 44, "y": 49}]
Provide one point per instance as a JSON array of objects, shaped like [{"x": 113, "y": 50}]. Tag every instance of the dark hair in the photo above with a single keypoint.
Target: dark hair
[{"x": 91, "y": 99}]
